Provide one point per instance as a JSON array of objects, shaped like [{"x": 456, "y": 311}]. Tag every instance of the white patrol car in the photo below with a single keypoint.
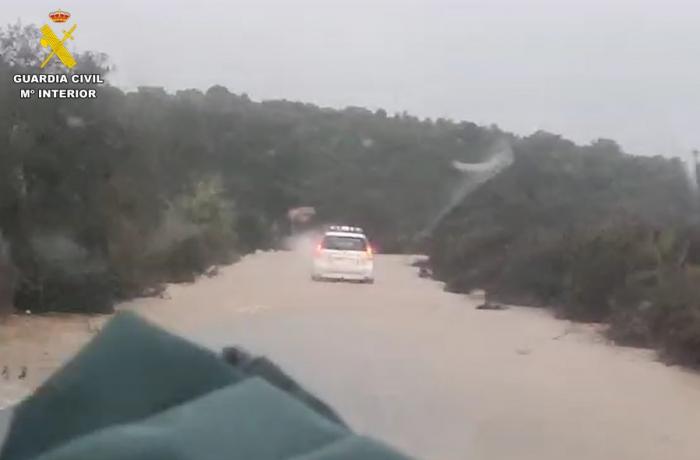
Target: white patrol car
[{"x": 344, "y": 253}]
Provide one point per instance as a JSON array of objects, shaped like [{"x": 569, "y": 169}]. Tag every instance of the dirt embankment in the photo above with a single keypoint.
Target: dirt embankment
[{"x": 33, "y": 347}]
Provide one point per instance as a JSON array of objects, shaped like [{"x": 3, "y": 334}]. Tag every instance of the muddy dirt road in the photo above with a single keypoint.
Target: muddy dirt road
[{"x": 425, "y": 371}]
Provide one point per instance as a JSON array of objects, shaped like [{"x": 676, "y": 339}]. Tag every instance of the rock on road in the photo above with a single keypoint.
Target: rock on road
[{"x": 425, "y": 371}]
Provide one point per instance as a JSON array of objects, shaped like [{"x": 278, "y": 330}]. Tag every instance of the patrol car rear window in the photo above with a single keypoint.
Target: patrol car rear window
[{"x": 344, "y": 243}]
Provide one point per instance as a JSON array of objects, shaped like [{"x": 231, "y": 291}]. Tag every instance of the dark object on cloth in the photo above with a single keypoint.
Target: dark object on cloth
[
  {"x": 260, "y": 366},
  {"x": 139, "y": 393}
]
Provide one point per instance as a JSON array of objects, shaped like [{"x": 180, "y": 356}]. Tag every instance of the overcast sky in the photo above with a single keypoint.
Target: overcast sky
[{"x": 627, "y": 70}]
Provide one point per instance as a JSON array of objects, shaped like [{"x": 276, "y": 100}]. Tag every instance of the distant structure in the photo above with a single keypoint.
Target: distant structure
[{"x": 300, "y": 217}]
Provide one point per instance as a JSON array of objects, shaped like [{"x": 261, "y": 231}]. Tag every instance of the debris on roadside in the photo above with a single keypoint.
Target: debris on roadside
[
  {"x": 423, "y": 265},
  {"x": 212, "y": 271},
  {"x": 425, "y": 272},
  {"x": 477, "y": 295},
  {"x": 481, "y": 297},
  {"x": 153, "y": 291},
  {"x": 419, "y": 261},
  {"x": 491, "y": 306},
  {"x": 571, "y": 328}
]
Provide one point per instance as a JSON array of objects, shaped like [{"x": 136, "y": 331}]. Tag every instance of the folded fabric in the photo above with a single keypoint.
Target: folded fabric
[
  {"x": 262, "y": 367},
  {"x": 138, "y": 392}
]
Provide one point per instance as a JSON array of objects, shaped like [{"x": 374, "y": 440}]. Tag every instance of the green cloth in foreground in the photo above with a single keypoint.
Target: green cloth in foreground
[{"x": 137, "y": 392}]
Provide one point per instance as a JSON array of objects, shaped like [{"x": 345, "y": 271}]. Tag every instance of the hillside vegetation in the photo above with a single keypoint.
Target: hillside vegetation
[
  {"x": 107, "y": 198},
  {"x": 594, "y": 233},
  {"x": 104, "y": 199}
]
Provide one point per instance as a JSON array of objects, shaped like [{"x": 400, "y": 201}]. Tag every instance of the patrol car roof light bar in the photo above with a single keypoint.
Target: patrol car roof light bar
[{"x": 346, "y": 228}]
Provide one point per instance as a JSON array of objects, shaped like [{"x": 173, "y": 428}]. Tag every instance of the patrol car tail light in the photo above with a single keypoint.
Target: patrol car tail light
[{"x": 370, "y": 251}]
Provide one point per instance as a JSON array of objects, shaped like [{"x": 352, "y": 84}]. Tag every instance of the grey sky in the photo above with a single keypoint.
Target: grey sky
[{"x": 627, "y": 70}]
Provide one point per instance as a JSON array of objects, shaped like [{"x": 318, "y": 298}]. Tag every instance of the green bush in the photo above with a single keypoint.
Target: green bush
[
  {"x": 197, "y": 231},
  {"x": 678, "y": 335},
  {"x": 663, "y": 312},
  {"x": 599, "y": 263},
  {"x": 594, "y": 233},
  {"x": 63, "y": 276},
  {"x": 8, "y": 278},
  {"x": 58, "y": 291}
]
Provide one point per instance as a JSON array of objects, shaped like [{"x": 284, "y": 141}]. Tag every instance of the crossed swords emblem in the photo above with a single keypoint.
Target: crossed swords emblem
[{"x": 48, "y": 38}]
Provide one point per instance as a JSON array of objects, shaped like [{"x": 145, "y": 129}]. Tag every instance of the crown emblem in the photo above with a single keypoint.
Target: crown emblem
[{"x": 59, "y": 16}]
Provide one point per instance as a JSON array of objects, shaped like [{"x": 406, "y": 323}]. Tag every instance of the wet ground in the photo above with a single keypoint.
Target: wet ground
[{"x": 424, "y": 370}]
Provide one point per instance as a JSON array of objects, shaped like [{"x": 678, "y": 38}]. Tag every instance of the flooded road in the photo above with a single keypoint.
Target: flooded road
[{"x": 425, "y": 371}]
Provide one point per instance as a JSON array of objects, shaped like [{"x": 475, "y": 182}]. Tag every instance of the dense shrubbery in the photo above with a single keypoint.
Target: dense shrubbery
[
  {"x": 146, "y": 186},
  {"x": 596, "y": 234},
  {"x": 104, "y": 199},
  {"x": 7, "y": 278}
]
